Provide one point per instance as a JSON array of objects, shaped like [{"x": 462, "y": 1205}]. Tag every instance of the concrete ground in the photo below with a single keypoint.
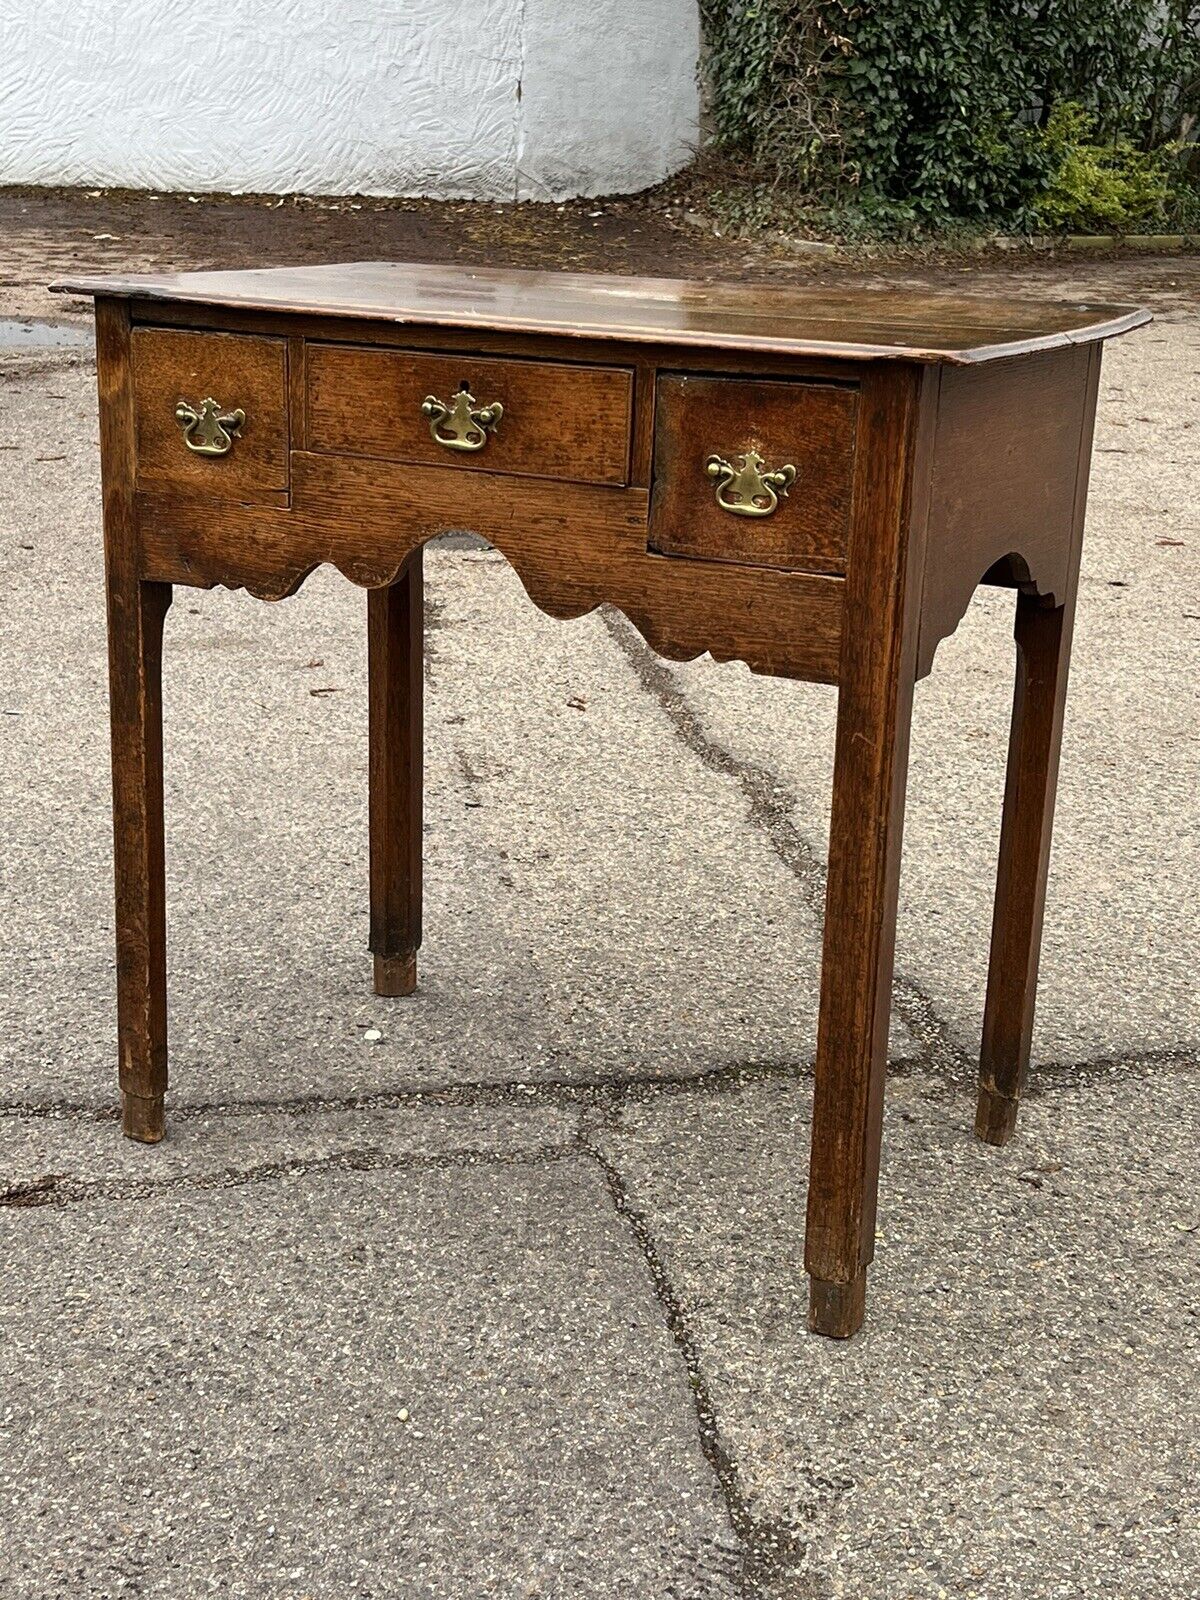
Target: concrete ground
[{"x": 508, "y": 1300}]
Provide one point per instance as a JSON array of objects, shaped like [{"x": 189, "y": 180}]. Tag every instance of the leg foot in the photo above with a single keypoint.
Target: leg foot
[
  {"x": 396, "y": 975},
  {"x": 995, "y": 1117},
  {"x": 836, "y": 1309},
  {"x": 142, "y": 1117}
]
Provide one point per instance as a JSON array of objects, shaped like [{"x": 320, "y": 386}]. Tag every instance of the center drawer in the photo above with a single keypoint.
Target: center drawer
[{"x": 529, "y": 418}]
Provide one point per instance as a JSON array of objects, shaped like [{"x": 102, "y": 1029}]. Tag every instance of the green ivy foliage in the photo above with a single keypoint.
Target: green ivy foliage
[{"x": 916, "y": 114}]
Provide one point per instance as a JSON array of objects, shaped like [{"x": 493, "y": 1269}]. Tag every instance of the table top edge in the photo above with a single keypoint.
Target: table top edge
[{"x": 1112, "y": 321}]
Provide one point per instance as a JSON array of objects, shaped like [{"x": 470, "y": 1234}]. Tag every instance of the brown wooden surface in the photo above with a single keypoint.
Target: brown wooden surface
[
  {"x": 573, "y": 547},
  {"x": 641, "y": 357},
  {"x": 1043, "y": 639},
  {"x": 567, "y": 422},
  {"x": 395, "y": 667},
  {"x": 1043, "y": 635},
  {"x": 852, "y": 324},
  {"x": 238, "y": 372},
  {"x": 870, "y": 764},
  {"x": 919, "y": 480},
  {"x": 1007, "y": 470},
  {"x": 808, "y": 425},
  {"x": 136, "y": 610}
]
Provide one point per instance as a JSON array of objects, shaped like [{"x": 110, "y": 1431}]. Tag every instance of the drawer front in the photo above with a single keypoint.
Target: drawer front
[
  {"x": 758, "y": 473},
  {"x": 211, "y": 413},
  {"x": 531, "y": 418}
]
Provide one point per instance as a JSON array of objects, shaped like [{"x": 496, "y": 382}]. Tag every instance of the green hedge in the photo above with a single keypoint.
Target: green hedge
[{"x": 916, "y": 114}]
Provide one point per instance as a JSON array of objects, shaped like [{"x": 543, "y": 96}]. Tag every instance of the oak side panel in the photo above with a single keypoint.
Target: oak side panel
[
  {"x": 1005, "y": 480},
  {"x": 1042, "y": 633}
]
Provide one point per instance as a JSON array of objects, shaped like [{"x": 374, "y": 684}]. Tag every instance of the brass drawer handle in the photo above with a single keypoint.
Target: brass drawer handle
[
  {"x": 464, "y": 424},
  {"x": 209, "y": 431},
  {"x": 747, "y": 490}
]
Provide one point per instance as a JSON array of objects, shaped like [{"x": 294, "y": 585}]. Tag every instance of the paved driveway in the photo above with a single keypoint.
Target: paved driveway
[{"x": 509, "y": 1300}]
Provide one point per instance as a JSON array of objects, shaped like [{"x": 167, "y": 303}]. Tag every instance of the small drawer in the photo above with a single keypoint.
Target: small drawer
[
  {"x": 530, "y": 418},
  {"x": 758, "y": 473},
  {"x": 211, "y": 413}
]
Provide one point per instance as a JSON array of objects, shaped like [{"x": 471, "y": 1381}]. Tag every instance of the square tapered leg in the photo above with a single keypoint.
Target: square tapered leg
[
  {"x": 135, "y": 619},
  {"x": 870, "y": 771},
  {"x": 1043, "y": 635},
  {"x": 395, "y": 633}
]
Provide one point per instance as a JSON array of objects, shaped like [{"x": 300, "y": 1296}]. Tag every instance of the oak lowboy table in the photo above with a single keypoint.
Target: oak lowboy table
[{"x": 811, "y": 482}]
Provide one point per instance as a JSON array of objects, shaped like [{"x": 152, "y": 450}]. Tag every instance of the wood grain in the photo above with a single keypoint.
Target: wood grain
[
  {"x": 807, "y": 425},
  {"x": 850, "y": 324},
  {"x": 1006, "y": 472},
  {"x": 567, "y": 422},
  {"x": 395, "y": 665},
  {"x": 236, "y": 370},
  {"x": 572, "y": 546},
  {"x": 870, "y": 765},
  {"x": 136, "y": 611}
]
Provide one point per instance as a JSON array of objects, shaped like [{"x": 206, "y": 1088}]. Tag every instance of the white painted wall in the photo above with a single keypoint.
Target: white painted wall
[{"x": 482, "y": 99}]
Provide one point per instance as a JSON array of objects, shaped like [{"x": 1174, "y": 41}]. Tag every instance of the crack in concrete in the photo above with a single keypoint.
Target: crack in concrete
[
  {"x": 59, "y": 1189},
  {"x": 770, "y": 806},
  {"x": 770, "y": 1550},
  {"x": 555, "y": 1091},
  {"x": 768, "y": 1547},
  {"x": 609, "y": 1092}
]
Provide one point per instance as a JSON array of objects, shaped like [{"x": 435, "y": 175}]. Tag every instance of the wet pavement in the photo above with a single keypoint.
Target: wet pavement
[
  {"x": 50, "y": 234},
  {"x": 27, "y": 334}
]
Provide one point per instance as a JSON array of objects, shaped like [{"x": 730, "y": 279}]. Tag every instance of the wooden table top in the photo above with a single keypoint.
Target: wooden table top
[{"x": 853, "y": 323}]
